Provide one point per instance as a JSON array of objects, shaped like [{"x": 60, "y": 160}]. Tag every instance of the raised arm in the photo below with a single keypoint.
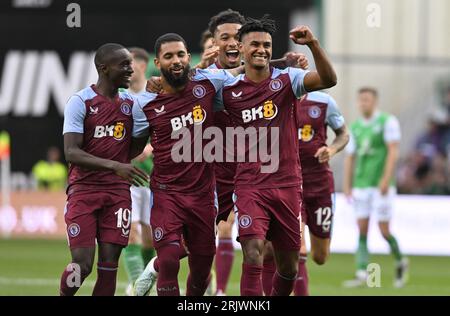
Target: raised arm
[
  {"x": 324, "y": 77},
  {"x": 208, "y": 57}
]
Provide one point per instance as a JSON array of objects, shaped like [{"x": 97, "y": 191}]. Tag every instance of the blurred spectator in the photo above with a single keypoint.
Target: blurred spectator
[
  {"x": 433, "y": 140},
  {"x": 447, "y": 105},
  {"x": 427, "y": 169},
  {"x": 50, "y": 174}
]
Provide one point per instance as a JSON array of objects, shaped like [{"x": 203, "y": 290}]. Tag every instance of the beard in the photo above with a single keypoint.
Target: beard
[{"x": 177, "y": 81}]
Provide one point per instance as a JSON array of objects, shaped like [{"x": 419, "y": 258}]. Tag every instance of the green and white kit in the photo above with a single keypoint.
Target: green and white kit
[{"x": 369, "y": 139}]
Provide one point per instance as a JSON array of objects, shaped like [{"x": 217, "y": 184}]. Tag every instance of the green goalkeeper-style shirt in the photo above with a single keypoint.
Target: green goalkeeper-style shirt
[{"x": 368, "y": 142}]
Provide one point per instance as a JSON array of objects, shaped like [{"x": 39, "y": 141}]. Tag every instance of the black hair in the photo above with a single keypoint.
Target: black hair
[
  {"x": 262, "y": 25},
  {"x": 104, "y": 51},
  {"x": 227, "y": 16},
  {"x": 168, "y": 38}
]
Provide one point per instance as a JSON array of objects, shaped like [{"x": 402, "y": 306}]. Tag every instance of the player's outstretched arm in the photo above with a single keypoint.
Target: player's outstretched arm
[
  {"x": 75, "y": 155},
  {"x": 325, "y": 76}
]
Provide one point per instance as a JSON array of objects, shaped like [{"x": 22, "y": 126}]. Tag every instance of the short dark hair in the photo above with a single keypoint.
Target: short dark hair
[
  {"x": 105, "y": 50},
  {"x": 371, "y": 90},
  {"x": 168, "y": 38},
  {"x": 140, "y": 53},
  {"x": 262, "y": 25},
  {"x": 206, "y": 35},
  {"x": 227, "y": 16}
]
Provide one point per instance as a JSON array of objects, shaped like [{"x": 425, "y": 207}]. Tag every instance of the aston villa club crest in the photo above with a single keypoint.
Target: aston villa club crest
[
  {"x": 199, "y": 91},
  {"x": 245, "y": 221},
  {"x": 158, "y": 234},
  {"x": 276, "y": 85},
  {"x": 73, "y": 230},
  {"x": 314, "y": 112},
  {"x": 125, "y": 108}
]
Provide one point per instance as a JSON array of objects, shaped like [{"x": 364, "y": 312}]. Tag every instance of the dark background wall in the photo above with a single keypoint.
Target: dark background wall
[{"x": 130, "y": 22}]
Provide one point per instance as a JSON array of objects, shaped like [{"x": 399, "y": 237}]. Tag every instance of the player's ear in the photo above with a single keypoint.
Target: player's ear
[
  {"x": 189, "y": 57},
  {"x": 156, "y": 62},
  {"x": 240, "y": 47},
  {"x": 102, "y": 69}
]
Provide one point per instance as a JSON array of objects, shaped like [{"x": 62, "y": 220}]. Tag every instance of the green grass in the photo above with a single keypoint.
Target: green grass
[{"x": 33, "y": 267}]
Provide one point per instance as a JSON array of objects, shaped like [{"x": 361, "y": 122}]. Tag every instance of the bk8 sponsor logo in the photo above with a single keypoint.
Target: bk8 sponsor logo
[
  {"x": 266, "y": 111},
  {"x": 306, "y": 133},
  {"x": 116, "y": 131},
  {"x": 196, "y": 117}
]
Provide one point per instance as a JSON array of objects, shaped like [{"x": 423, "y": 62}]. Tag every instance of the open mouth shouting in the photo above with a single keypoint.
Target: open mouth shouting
[{"x": 233, "y": 55}]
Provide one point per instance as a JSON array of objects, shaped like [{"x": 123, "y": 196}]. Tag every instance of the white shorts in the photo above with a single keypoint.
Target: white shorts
[
  {"x": 140, "y": 205},
  {"x": 368, "y": 200}
]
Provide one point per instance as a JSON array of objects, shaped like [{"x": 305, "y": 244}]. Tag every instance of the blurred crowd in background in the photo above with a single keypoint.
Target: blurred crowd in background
[{"x": 426, "y": 169}]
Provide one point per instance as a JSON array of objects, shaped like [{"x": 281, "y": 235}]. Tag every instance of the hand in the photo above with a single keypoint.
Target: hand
[
  {"x": 209, "y": 57},
  {"x": 133, "y": 175},
  {"x": 302, "y": 35},
  {"x": 147, "y": 152},
  {"x": 298, "y": 60},
  {"x": 154, "y": 85},
  {"x": 325, "y": 153},
  {"x": 383, "y": 186}
]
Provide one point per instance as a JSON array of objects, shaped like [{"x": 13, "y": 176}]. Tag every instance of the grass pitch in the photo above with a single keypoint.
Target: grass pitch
[{"x": 33, "y": 267}]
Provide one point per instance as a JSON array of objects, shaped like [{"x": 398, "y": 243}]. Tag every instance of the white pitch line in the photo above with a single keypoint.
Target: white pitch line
[{"x": 45, "y": 282}]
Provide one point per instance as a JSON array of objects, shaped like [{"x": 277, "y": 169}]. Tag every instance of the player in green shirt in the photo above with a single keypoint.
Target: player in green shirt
[
  {"x": 369, "y": 180},
  {"x": 140, "y": 246}
]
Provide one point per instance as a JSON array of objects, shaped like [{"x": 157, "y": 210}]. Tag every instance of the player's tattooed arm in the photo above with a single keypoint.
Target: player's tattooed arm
[
  {"x": 75, "y": 155},
  {"x": 291, "y": 59},
  {"x": 325, "y": 153},
  {"x": 325, "y": 76},
  {"x": 154, "y": 85}
]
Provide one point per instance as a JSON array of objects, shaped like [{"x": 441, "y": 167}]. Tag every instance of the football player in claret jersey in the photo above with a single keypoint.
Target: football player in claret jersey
[
  {"x": 314, "y": 112},
  {"x": 183, "y": 190},
  {"x": 98, "y": 123},
  {"x": 140, "y": 248},
  {"x": 268, "y": 190},
  {"x": 369, "y": 180},
  {"x": 225, "y": 27}
]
